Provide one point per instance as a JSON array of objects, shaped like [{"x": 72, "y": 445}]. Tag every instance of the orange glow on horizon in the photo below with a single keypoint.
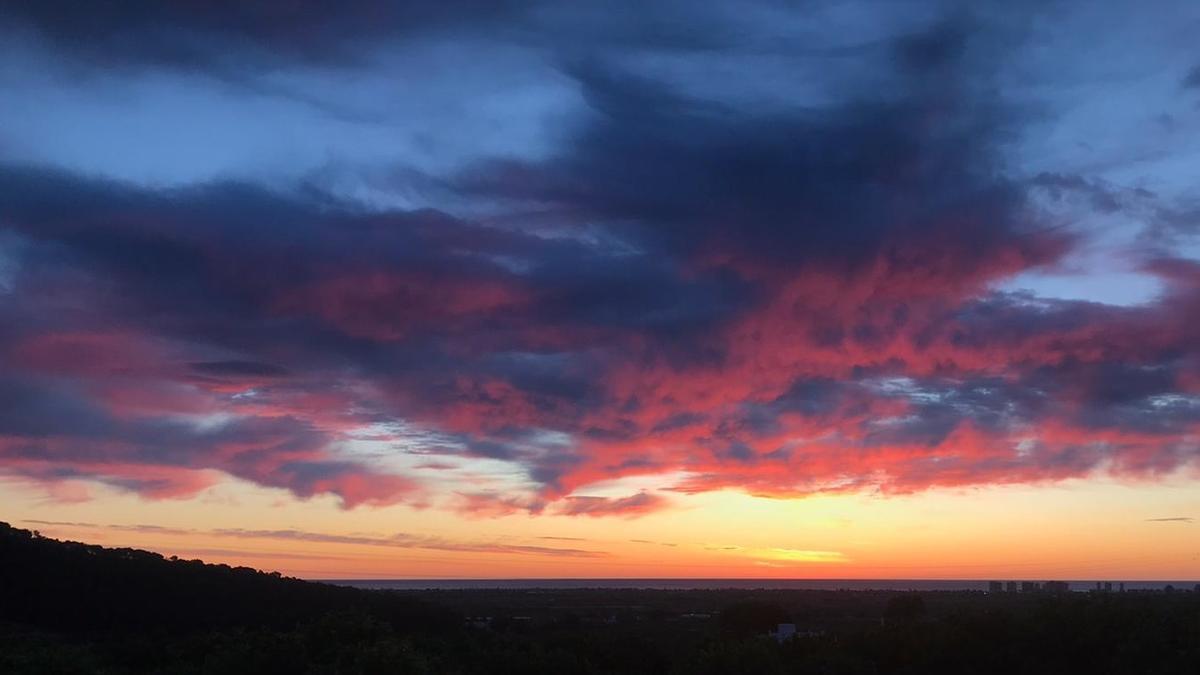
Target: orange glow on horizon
[{"x": 1081, "y": 532}]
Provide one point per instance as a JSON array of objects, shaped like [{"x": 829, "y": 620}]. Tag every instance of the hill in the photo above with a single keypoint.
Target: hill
[{"x": 73, "y": 587}]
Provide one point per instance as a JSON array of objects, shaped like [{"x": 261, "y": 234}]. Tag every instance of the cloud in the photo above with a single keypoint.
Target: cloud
[
  {"x": 238, "y": 369},
  {"x": 492, "y": 505},
  {"x": 182, "y": 34},
  {"x": 802, "y": 555},
  {"x": 1176, "y": 519},
  {"x": 53, "y": 434},
  {"x": 398, "y": 540},
  {"x": 632, "y": 506},
  {"x": 1192, "y": 79},
  {"x": 144, "y": 529},
  {"x": 779, "y": 279},
  {"x": 412, "y": 541},
  {"x": 1103, "y": 198}
]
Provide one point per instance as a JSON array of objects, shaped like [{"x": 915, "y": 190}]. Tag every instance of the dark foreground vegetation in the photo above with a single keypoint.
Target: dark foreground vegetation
[{"x": 73, "y": 608}]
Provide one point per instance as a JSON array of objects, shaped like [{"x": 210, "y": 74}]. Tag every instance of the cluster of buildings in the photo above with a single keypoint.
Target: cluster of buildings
[
  {"x": 1029, "y": 587},
  {"x": 1047, "y": 587}
]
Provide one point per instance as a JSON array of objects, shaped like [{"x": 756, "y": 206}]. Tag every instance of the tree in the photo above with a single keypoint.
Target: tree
[
  {"x": 904, "y": 608},
  {"x": 752, "y": 618}
]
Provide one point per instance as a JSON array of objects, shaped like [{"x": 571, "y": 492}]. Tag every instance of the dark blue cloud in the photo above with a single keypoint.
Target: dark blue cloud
[
  {"x": 769, "y": 277},
  {"x": 188, "y": 34}
]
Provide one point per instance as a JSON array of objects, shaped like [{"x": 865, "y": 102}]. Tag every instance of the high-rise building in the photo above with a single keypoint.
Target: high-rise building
[
  {"x": 1029, "y": 587},
  {"x": 1011, "y": 587},
  {"x": 995, "y": 587}
]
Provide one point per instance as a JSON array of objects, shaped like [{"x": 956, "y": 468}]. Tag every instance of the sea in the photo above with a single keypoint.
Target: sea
[{"x": 742, "y": 584}]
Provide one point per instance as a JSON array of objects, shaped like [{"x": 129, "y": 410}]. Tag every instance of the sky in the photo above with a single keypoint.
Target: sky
[{"x": 521, "y": 288}]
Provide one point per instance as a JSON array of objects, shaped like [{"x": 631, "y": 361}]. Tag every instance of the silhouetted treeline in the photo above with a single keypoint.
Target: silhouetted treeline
[
  {"x": 72, "y": 608},
  {"x": 73, "y": 587}
]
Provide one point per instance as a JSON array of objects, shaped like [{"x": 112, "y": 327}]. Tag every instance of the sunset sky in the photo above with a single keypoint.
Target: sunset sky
[{"x": 521, "y": 288}]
